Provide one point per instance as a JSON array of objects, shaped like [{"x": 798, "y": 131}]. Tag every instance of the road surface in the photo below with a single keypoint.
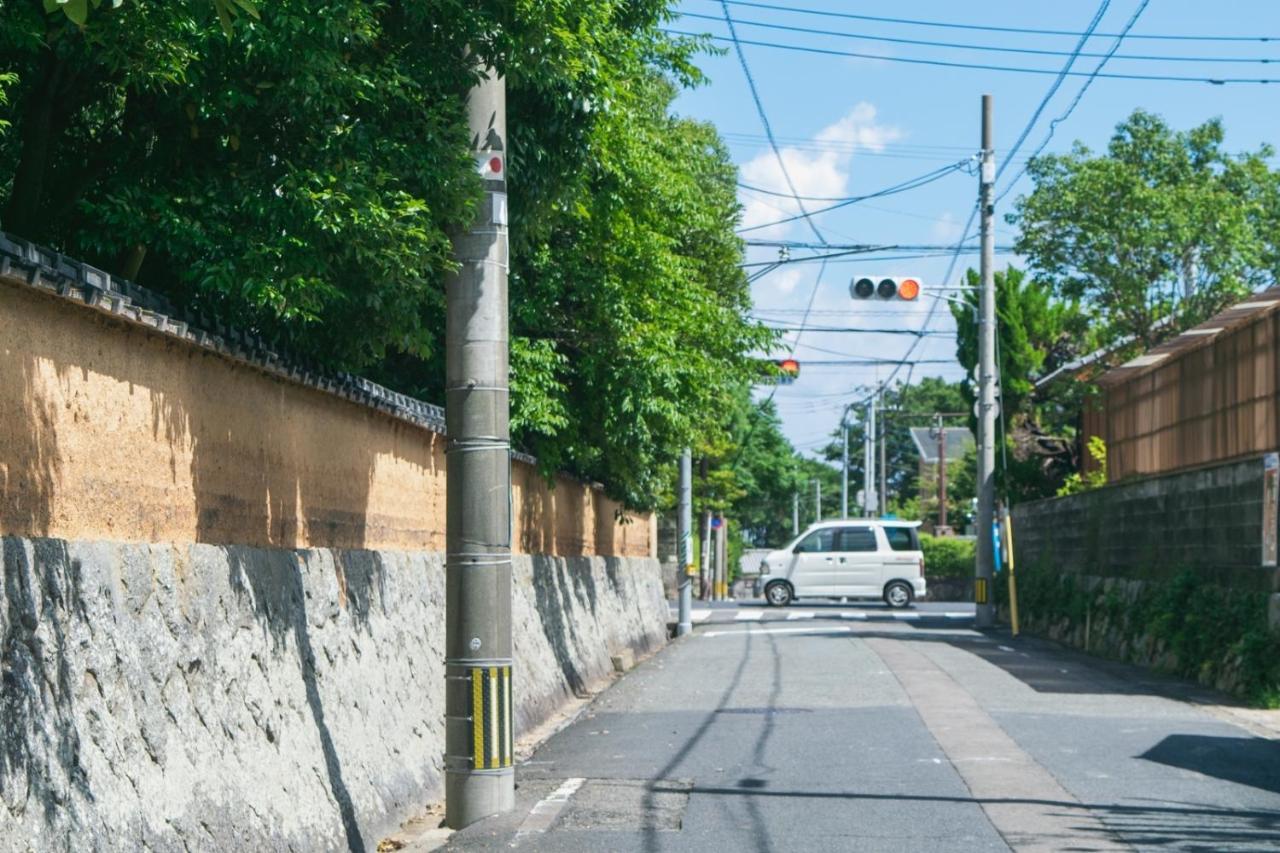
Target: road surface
[{"x": 838, "y": 731}]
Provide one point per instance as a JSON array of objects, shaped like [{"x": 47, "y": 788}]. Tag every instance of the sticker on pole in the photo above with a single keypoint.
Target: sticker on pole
[{"x": 491, "y": 165}]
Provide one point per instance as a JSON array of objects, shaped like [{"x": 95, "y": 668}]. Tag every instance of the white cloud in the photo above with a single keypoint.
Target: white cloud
[{"x": 820, "y": 169}]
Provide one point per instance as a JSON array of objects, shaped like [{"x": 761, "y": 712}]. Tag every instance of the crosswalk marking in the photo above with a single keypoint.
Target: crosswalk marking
[
  {"x": 847, "y": 615},
  {"x": 749, "y": 616},
  {"x": 907, "y": 616},
  {"x": 700, "y": 615},
  {"x": 793, "y": 617}
]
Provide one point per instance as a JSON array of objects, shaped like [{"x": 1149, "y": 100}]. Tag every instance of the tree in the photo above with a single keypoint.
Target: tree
[
  {"x": 300, "y": 179},
  {"x": 1125, "y": 232},
  {"x": 1035, "y": 334}
]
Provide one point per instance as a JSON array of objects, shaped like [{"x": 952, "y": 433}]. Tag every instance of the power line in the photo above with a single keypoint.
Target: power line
[
  {"x": 991, "y": 28},
  {"x": 860, "y": 331},
  {"x": 1053, "y": 125},
  {"x": 982, "y": 47},
  {"x": 909, "y": 184},
  {"x": 1158, "y": 78},
  {"x": 764, "y": 118}
]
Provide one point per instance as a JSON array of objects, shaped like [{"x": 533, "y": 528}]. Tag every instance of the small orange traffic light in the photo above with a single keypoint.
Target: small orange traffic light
[
  {"x": 887, "y": 287},
  {"x": 909, "y": 289},
  {"x": 789, "y": 369}
]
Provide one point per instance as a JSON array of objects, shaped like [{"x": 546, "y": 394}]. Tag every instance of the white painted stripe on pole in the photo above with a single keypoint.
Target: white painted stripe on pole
[
  {"x": 544, "y": 813},
  {"x": 749, "y": 616},
  {"x": 859, "y": 616},
  {"x": 493, "y": 713},
  {"x": 795, "y": 617},
  {"x": 835, "y": 629}
]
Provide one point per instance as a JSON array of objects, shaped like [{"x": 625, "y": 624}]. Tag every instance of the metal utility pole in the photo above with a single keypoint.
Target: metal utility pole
[
  {"x": 795, "y": 513},
  {"x": 985, "y": 569},
  {"x": 844, "y": 466},
  {"x": 684, "y": 544},
  {"x": 869, "y": 461},
  {"x": 817, "y": 500},
  {"x": 479, "y": 737},
  {"x": 941, "y": 432},
  {"x": 884, "y": 467}
]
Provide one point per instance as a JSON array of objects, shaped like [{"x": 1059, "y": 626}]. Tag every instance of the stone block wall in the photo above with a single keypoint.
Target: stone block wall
[{"x": 161, "y": 697}]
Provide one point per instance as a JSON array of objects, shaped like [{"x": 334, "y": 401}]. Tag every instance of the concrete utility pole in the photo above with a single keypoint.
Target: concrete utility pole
[
  {"x": 479, "y": 737},
  {"x": 844, "y": 465},
  {"x": 684, "y": 544},
  {"x": 722, "y": 559},
  {"x": 817, "y": 500},
  {"x": 795, "y": 513},
  {"x": 884, "y": 467},
  {"x": 984, "y": 570}
]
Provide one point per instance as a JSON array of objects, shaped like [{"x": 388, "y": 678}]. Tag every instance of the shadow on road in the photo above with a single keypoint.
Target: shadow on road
[
  {"x": 1251, "y": 761},
  {"x": 1160, "y": 824}
]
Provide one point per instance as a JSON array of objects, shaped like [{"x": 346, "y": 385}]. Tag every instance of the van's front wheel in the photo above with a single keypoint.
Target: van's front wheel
[
  {"x": 778, "y": 594},
  {"x": 897, "y": 595}
]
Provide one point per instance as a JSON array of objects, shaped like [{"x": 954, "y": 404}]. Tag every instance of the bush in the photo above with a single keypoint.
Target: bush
[{"x": 947, "y": 557}]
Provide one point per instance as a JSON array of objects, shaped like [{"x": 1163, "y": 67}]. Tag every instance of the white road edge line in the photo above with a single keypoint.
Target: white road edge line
[
  {"x": 835, "y": 629},
  {"x": 548, "y": 808}
]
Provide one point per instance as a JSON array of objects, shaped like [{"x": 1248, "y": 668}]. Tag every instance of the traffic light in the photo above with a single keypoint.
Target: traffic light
[
  {"x": 788, "y": 371},
  {"x": 885, "y": 287}
]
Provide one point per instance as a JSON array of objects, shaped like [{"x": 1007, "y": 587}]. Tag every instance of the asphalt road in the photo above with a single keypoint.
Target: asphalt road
[{"x": 843, "y": 733}]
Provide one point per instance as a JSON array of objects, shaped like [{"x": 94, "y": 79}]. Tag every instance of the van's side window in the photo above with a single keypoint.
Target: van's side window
[
  {"x": 857, "y": 539},
  {"x": 819, "y": 541},
  {"x": 902, "y": 538}
]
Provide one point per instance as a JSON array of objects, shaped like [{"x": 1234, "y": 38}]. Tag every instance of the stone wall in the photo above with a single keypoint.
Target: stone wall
[
  {"x": 223, "y": 697},
  {"x": 1163, "y": 571}
]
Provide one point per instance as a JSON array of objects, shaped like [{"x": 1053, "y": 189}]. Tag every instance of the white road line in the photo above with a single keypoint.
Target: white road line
[
  {"x": 957, "y": 615},
  {"x": 548, "y": 809},
  {"x": 906, "y": 616},
  {"x": 795, "y": 617},
  {"x": 699, "y": 615},
  {"x": 749, "y": 616},
  {"x": 859, "y": 616},
  {"x": 836, "y": 629}
]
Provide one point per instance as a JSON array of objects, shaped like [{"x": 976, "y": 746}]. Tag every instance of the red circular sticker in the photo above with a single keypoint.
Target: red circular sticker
[{"x": 495, "y": 164}]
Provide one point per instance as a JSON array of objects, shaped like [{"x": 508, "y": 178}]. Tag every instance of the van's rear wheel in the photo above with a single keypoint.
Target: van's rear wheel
[
  {"x": 897, "y": 595},
  {"x": 778, "y": 594}
]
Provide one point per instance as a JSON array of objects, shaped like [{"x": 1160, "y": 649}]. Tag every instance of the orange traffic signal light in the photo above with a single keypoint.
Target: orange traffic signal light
[{"x": 885, "y": 287}]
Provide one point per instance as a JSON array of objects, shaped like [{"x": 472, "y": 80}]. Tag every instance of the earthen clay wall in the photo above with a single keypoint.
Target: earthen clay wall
[{"x": 111, "y": 431}]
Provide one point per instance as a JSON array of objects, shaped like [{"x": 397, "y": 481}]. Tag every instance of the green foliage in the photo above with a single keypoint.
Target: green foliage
[
  {"x": 948, "y": 557},
  {"x": 1209, "y": 632},
  {"x": 1095, "y": 479},
  {"x": 1118, "y": 232},
  {"x": 301, "y": 179}
]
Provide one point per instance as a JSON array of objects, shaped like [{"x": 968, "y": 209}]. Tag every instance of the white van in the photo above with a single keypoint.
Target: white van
[{"x": 862, "y": 558}]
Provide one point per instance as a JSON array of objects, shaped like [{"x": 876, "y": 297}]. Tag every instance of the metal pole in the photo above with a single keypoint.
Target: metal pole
[
  {"x": 844, "y": 467},
  {"x": 884, "y": 467},
  {"x": 871, "y": 459},
  {"x": 722, "y": 558},
  {"x": 942, "y": 471},
  {"x": 985, "y": 570},
  {"x": 704, "y": 569},
  {"x": 684, "y": 544},
  {"x": 817, "y": 500},
  {"x": 795, "y": 513},
  {"x": 479, "y": 777}
]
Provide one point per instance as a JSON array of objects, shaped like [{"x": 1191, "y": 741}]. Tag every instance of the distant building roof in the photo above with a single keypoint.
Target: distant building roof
[
  {"x": 1239, "y": 314},
  {"x": 958, "y": 440}
]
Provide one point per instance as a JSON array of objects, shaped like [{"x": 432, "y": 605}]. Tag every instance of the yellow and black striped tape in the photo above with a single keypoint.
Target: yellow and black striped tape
[
  {"x": 980, "y": 590},
  {"x": 491, "y": 726}
]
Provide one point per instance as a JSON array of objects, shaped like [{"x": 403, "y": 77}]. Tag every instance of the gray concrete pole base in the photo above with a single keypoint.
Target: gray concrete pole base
[{"x": 474, "y": 795}]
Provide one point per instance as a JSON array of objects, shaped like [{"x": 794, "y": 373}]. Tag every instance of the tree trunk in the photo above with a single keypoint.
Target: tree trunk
[{"x": 22, "y": 211}]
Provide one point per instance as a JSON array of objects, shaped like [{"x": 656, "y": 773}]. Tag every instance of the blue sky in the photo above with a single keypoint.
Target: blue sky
[{"x": 848, "y": 126}]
